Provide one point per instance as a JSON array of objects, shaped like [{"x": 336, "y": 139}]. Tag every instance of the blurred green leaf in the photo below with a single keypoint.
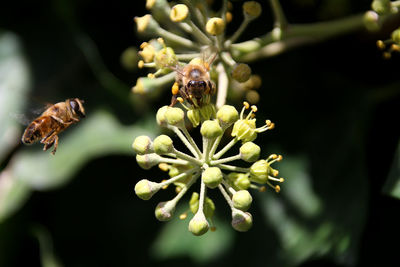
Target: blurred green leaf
[
  {"x": 175, "y": 240},
  {"x": 47, "y": 256},
  {"x": 392, "y": 185},
  {"x": 98, "y": 135},
  {"x": 14, "y": 85}
]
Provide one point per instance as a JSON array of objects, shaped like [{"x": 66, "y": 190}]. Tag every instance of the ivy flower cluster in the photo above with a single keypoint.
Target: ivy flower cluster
[
  {"x": 208, "y": 165},
  {"x": 373, "y": 21}
]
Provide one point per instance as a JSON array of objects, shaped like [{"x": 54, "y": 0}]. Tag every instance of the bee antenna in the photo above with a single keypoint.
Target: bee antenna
[{"x": 176, "y": 68}]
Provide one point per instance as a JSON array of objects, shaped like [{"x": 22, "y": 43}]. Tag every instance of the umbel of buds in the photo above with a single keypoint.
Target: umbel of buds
[{"x": 207, "y": 166}]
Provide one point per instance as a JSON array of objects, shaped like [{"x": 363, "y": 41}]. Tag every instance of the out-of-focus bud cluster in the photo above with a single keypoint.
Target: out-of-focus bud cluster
[
  {"x": 207, "y": 165},
  {"x": 373, "y": 22}
]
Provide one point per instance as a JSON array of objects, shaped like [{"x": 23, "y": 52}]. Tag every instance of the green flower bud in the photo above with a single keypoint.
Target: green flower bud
[
  {"x": 142, "y": 145},
  {"x": 194, "y": 117},
  {"x": 227, "y": 115},
  {"x": 207, "y": 112},
  {"x": 371, "y": 21},
  {"x": 198, "y": 225},
  {"x": 252, "y": 9},
  {"x": 396, "y": 36},
  {"x": 215, "y": 26},
  {"x": 241, "y": 221},
  {"x": 146, "y": 24},
  {"x": 242, "y": 200},
  {"x": 245, "y": 130},
  {"x": 212, "y": 177},
  {"x": 165, "y": 57},
  {"x": 249, "y": 152},
  {"x": 160, "y": 116},
  {"x": 194, "y": 202},
  {"x": 381, "y": 7},
  {"x": 145, "y": 189},
  {"x": 241, "y": 72},
  {"x": 210, "y": 129},
  {"x": 148, "y": 160},
  {"x": 239, "y": 181},
  {"x": 259, "y": 171},
  {"x": 209, "y": 206},
  {"x": 179, "y": 13},
  {"x": 165, "y": 210},
  {"x": 129, "y": 58},
  {"x": 175, "y": 116},
  {"x": 163, "y": 145}
]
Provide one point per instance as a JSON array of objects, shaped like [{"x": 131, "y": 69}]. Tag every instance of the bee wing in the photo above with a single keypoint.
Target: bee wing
[{"x": 21, "y": 118}]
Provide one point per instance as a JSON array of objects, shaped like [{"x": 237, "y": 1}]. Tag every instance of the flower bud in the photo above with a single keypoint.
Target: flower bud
[
  {"x": 207, "y": 111},
  {"x": 371, "y": 21},
  {"x": 142, "y": 145},
  {"x": 160, "y": 116},
  {"x": 179, "y": 13},
  {"x": 209, "y": 206},
  {"x": 259, "y": 171},
  {"x": 146, "y": 24},
  {"x": 145, "y": 189},
  {"x": 241, "y": 72},
  {"x": 245, "y": 130},
  {"x": 240, "y": 181},
  {"x": 212, "y": 177},
  {"x": 165, "y": 57},
  {"x": 396, "y": 36},
  {"x": 252, "y": 9},
  {"x": 148, "y": 160},
  {"x": 242, "y": 200},
  {"x": 129, "y": 59},
  {"x": 227, "y": 115},
  {"x": 249, "y": 152},
  {"x": 210, "y": 129},
  {"x": 241, "y": 221},
  {"x": 194, "y": 117},
  {"x": 215, "y": 26},
  {"x": 381, "y": 7},
  {"x": 198, "y": 225},
  {"x": 165, "y": 210},
  {"x": 174, "y": 116},
  {"x": 148, "y": 52},
  {"x": 163, "y": 145}
]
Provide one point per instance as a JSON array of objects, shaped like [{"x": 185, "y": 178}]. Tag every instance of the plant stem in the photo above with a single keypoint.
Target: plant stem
[
  {"x": 233, "y": 168},
  {"x": 223, "y": 83},
  {"x": 189, "y": 137},
  {"x": 187, "y": 157},
  {"x": 226, "y": 196},
  {"x": 185, "y": 141},
  {"x": 225, "y": 160},
  {"x": 280, "y": 19},
  {"x": 226, "y": 148},
  {"x": 179, "y": 176}
]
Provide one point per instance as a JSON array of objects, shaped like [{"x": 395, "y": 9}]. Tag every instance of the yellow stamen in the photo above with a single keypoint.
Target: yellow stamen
[
  {"x": 254, "y": 108},
  {"x": 151, "y": 75},
  {"x": 246, "y": 105},
  {"x": 165, "y": 186},
  {"x": 143, "y": 45},
  {"x": 163, "y": 166},
  {"x": 140, "y": 64},
  {"x": 183, "y": 216},
  {"x": 180, "y": 99},
  {"x": 277, "y": 188}
]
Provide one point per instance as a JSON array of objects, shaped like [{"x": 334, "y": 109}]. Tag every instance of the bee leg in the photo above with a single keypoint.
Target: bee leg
[
  {"x": 173, "y": 100},
  {"x": 49, "y": 142}
]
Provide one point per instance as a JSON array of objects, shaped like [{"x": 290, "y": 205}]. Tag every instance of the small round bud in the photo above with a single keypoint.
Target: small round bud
[
  {"x": 396, "y": 36},
  {"x": 129, "y": 59},
  {"x": 210, "y": 129},
  {"x": 215, "y": 26},
  {"x": 371, "y": 21},
  {"x": 145, "y": 189},
  {"x": 242, "y": 200},
  {"x": 165, "y": 210},
  {"x": 174, "y": 116},
  {"x": 240, "y": 181},
  {"x": 194, "y": 202},
  {"x": 249, "y": 152},
  {"x": 146, "y": 24},
  {"x": 165, "y": 57},
  {"x": 381, "y": 7},
  {"x": 142, "y": 145},
  {"x": 241, "y": 221},
  {"x": 163, "y": 145},
  {"x": 259, "y": 171},
  {"x": 179, "y": 13},
  {"x": 227, "y": 115},
  {"x": 212, "y": 177},
  {"x": 148, "y": 160},
  {"x": 198, "y": 225},
  {"x": 194, "y": 117},
  {"x": 252, "y": 9},
  {"x": 207, "y": 111},
  {"x": 241, "y": 72},
  {"x": 209, "y": 206},
  {"x": 160, "y": 116}
]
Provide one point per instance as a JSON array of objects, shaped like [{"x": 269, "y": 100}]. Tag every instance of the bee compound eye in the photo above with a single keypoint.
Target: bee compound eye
[{"x": 74, "y": 105}]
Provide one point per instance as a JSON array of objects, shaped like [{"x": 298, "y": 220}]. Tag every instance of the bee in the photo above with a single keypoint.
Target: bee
[
  {"x": 53, "y": 121},
  {"x": 193, "y": 83}
]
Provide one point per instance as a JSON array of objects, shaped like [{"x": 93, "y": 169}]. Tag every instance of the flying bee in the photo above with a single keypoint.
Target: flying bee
[
  {"x": 193, "y": 83},
  {"x": 53, "y": 121}
]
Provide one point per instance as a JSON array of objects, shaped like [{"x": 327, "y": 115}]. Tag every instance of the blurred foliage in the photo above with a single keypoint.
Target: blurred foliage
[{"x": 335, "y": 105}]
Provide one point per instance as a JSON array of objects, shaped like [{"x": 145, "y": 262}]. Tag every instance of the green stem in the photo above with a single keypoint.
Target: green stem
[
  {"x": 202, "y": 195},
  {"x": 187, "y": 57},
  {"x": 185, "y": 141},
  {"x": 226, "y": 148},
  {"x": 226, "y": 196},
  {"x": 223, "y": 83},
  {"x": 215, "y": 145},
  {"x": 238, "y": 32},
  {"x": 233, "y": 168},
  {"x": 174, "y": 38},
  {"x": 185, "y": 188},
  {"x": 187, "y": 157},
  {"x": 179, "y": 176},
  {"x": 197, "y": 33},
  {"x": 174, "y": 161},
  {"x": 225, "y": 160},
  {"x": 191, "y": 141},
  {"x": 280, "y": 19}
]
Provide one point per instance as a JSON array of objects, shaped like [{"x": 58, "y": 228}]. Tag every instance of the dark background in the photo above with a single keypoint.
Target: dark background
[{"x": 331, "y": 100}]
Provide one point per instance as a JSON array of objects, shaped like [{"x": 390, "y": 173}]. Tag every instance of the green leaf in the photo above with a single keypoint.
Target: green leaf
[
  {"x": 47, "y": 256},
  {"x": 175, "y": 240},
  {"x": 14, "y": 85},
  {"x": 392, "y": 185}
]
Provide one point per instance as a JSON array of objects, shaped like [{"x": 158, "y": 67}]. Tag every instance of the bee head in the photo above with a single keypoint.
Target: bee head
[{"x": 77, "y": 107}]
